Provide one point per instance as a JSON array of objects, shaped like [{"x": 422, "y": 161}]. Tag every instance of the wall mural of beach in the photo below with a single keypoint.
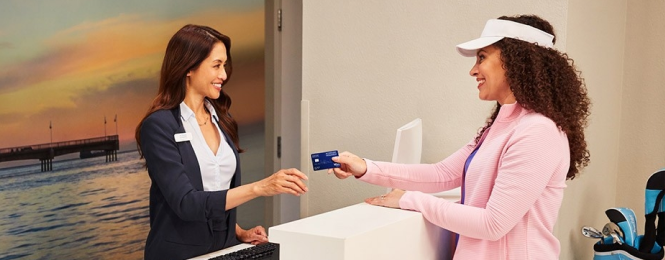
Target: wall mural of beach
[{"x": 84, "y": 70}]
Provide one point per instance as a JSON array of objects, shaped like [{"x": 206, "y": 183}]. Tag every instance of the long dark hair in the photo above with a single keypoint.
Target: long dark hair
[
  {"x": 186, "y": 50},
  {"x": 546, "y": 81}
]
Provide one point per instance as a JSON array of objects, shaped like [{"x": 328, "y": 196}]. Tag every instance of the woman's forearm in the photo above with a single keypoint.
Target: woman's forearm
[{"x": 241, "y": 194}]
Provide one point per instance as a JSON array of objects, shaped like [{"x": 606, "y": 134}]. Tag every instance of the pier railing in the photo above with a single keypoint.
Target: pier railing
[{"x": 47, "y": 151}]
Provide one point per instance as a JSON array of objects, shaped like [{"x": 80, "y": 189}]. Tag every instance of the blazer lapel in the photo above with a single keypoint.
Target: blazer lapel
[{"x": 187, "y": 154}]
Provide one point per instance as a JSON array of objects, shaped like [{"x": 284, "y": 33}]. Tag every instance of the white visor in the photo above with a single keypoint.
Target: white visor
[{"x": 496, "y": 29}]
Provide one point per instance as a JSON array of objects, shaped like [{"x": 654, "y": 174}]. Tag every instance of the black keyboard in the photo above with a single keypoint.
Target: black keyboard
[{"x": 267, "y": 251}]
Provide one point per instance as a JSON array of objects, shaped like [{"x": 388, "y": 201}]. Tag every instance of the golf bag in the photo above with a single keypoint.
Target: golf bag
[{"x": 619, "y": 238}]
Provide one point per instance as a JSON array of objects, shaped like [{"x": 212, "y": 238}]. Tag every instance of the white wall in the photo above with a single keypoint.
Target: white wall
[
  {"x": 596, "y": 41},
  {"x": 642, "y": 149},
  {"x": 368, "y": 67}
]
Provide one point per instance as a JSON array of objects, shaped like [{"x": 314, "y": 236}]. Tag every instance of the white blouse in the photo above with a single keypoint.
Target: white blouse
[{"x": 216, "y": 168}]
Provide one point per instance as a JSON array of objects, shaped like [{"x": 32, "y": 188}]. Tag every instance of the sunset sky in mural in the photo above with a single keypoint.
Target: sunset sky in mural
[{"x": 74, "y": 62}]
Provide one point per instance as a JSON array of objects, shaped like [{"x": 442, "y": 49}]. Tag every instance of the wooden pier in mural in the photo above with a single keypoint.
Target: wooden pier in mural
[{"x": 107, "y": 145}]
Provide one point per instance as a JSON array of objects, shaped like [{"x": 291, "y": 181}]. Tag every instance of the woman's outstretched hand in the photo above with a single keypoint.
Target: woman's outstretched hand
[
  {"x": 350, "y": 165},
  {"x": 390, "y": 200},
  {"x": 284, "y": 181}
]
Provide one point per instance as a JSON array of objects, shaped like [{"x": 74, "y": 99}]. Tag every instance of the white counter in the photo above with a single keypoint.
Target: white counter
[{"x": 361, "y": 232}]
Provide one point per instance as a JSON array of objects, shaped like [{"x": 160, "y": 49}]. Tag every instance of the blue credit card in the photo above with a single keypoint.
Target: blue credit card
[{"x": 322, "y": 161}]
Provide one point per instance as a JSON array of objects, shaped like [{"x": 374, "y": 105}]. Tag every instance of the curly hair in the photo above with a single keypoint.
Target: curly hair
[{"x": 546, "y": 81}]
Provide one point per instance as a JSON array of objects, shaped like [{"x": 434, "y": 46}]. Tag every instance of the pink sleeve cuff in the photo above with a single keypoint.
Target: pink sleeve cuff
[
  {"x": 371, "y": 167},
  {"x": 406, "y": 202}
]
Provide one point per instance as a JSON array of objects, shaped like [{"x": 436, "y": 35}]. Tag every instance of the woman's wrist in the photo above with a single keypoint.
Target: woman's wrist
[
  {"x": 255, "y": 189},
  {"x": 238, "y": 230},
  {"x": 365, "y": 170}
]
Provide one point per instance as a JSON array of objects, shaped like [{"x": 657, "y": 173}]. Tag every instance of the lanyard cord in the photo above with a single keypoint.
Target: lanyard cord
[{"x": 466, "y": 166}]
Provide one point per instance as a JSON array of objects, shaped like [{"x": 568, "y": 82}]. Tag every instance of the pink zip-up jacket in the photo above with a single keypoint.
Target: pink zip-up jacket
[{"x": 513, "y": 188}]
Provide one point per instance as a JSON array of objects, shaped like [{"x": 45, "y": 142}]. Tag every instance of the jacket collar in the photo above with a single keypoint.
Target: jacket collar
[{"x": 510, "y": 112}]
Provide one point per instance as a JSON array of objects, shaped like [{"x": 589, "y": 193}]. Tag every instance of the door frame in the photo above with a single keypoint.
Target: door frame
[{"x": 283, "y": 72}]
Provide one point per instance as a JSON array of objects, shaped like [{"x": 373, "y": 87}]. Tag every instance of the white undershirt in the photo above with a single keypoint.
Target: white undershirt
[{"x": 216, "y": 169}]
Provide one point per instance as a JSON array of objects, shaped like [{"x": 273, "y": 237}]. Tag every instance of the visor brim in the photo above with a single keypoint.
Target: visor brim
[{"x": 470, "y": 48}]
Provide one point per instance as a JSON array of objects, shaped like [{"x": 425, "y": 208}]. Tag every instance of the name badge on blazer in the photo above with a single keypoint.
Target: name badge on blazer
[{"x": 182, "y": 137}]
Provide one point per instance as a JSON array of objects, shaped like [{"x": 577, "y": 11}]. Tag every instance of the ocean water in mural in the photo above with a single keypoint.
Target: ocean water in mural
[
  {"x": 84, "y": 209},
  {"x": 92, "y": 209}
]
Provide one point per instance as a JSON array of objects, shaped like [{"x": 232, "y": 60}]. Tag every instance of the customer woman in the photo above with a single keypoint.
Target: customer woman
[
  {"x": 513, "y": 172},
  {"x": 190, "y": 145}
]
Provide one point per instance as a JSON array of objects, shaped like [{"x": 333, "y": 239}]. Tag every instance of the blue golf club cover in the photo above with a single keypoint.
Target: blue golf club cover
[
  {"x": 660, "y": 230},
  {"x": 653, "y": 207},
  {"x": 608, "y": 250},
  {"x": 625, "y": 219},
  {"x": 656, "y": 248}
]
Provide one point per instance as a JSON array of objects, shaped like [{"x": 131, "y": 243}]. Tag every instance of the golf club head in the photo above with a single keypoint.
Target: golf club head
[
  {"x": 616, "y": 239},
  {"x": 625, "y": 219},
  {"x": 610, "y": 228},
  {"x": 591, "y": 232},
  {"x": 613, "y": 231}
]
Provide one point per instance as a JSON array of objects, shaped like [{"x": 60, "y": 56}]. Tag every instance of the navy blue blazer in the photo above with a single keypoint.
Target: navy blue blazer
[{"x": 182, "y": 215}]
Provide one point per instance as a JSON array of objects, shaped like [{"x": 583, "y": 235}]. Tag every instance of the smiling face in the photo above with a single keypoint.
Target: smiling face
[
  {"x": 206, "y": 80},
  {"x": 491, "y": 76}
]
